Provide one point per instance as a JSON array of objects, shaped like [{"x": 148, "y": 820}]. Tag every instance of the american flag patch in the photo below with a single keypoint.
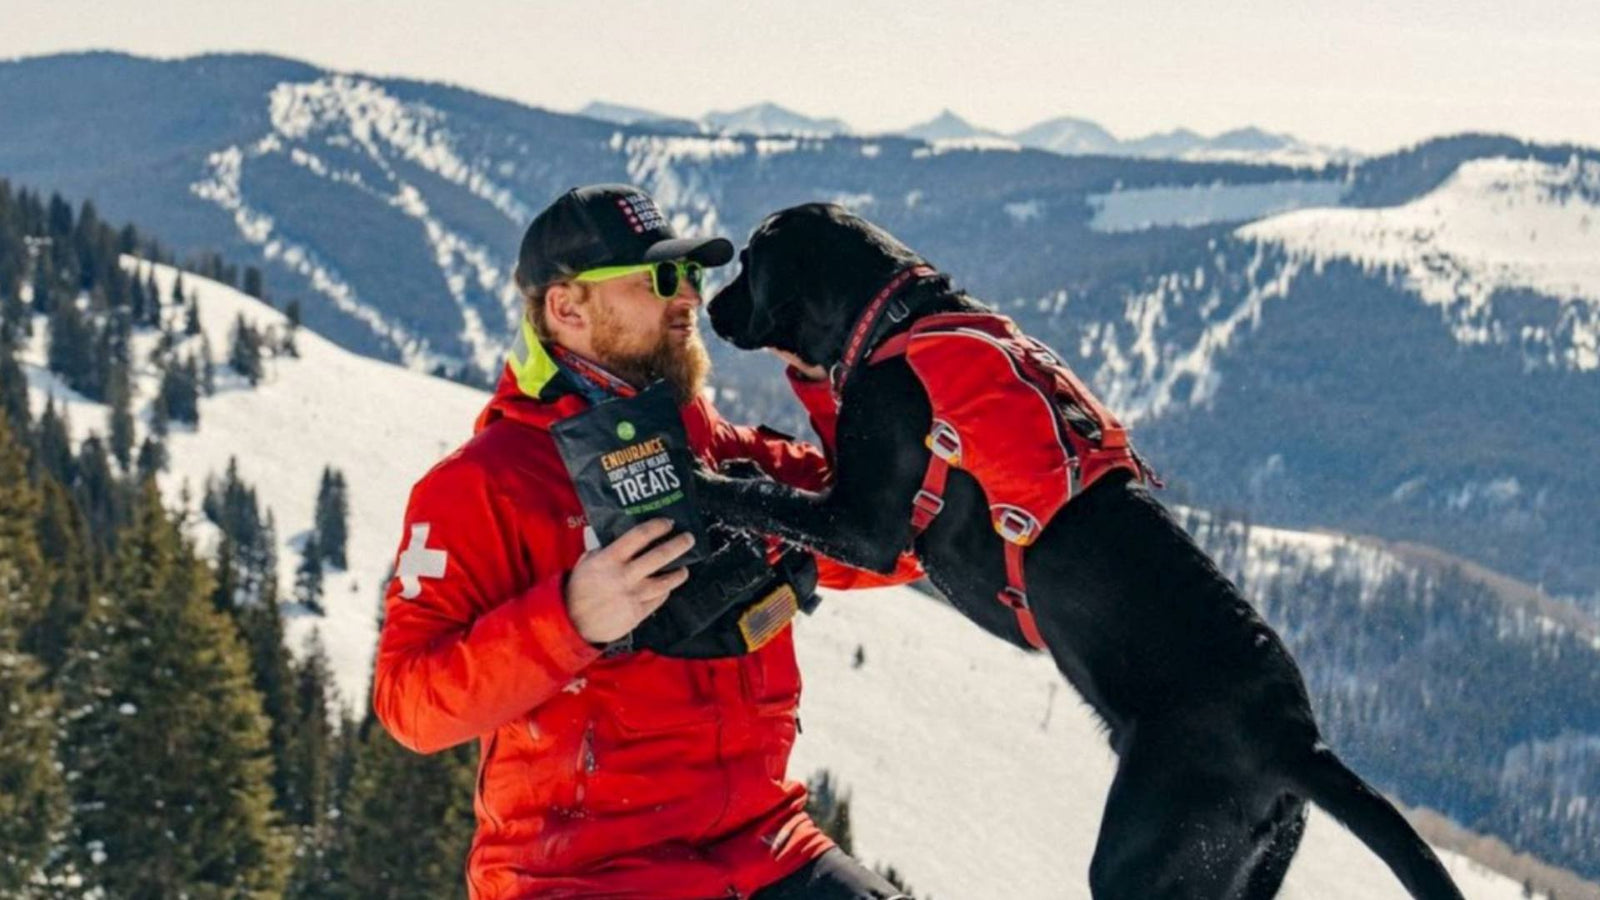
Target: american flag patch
[{"x": 768, "y": 617}]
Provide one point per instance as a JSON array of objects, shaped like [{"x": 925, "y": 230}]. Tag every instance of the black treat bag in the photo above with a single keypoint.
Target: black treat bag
[{"x": 629, "y": 458}]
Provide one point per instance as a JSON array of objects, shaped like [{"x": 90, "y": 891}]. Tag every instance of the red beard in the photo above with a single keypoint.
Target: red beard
[{"x": 684, "y": 364}]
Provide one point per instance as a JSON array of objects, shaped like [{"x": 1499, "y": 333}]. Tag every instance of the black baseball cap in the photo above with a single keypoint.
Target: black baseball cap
[{"x": 606, "y": 225}]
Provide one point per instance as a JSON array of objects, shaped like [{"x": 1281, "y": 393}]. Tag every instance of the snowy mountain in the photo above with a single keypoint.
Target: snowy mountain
[
  {"x": 1068, "y": 137},
  {"x": 1304, "y": 373},
  {"x": 1496, "y": 228},
  {"x": 763, "y": 119},
  {"x": 1073, "y": 137},
  {"x": 633, "y": 115},
  {"x": 935, "y": 703},
  {"x": 948, "y": 131}
]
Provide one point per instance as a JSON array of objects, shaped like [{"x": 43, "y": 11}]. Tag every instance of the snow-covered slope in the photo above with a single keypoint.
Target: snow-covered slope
[
  {"x": 1496, "y": 225},
  {"x": 978, "y": 774},
  {"x": 975, "y": 771},
  {"x": 381, "y": 424}
]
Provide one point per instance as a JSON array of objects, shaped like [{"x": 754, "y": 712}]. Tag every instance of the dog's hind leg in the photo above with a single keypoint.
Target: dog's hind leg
[{"x": 1171, "y": 833}]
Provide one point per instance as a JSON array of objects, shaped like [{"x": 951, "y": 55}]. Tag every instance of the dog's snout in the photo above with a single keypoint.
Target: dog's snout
[{"x": 731, "y": 312}]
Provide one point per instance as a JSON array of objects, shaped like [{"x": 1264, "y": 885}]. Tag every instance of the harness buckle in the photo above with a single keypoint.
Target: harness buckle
[
  {"x": 1016, "y": 525},
  {"x": 945, "y": 442},
  {"x": 1015, "y": 599},
  {"x": 928, "y": 502}
]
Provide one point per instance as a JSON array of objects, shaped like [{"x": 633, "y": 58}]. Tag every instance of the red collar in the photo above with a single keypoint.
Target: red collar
[
  {"x": 857, "y": 346},
  {"x": 593, "y": 372}
]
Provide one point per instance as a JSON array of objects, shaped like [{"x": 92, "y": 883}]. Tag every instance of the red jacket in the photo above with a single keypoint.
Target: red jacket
[{"x": 628, "y": 776}]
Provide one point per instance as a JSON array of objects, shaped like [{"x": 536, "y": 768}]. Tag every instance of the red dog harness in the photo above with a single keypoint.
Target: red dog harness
[{"x": 1008, "y": 412}]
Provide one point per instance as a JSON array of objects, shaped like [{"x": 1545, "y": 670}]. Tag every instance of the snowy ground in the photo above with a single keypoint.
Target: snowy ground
[
  {"x": 970, "y": 773},
  {"x": 961, "y": 784}
]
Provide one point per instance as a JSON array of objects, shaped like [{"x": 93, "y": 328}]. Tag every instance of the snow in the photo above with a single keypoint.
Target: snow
[
  {"x": 358, "y": 114},
  {"x": 973, "y": 769},
  {"x": 1145, "y": 376},
  {"x": 381, "y": 424},
  {"x": 1494, "y": 225},
  {"x": 1203, "y": 204},
  {"x": 1024, "y": 211},
  {"x": 976, "y": 143}
]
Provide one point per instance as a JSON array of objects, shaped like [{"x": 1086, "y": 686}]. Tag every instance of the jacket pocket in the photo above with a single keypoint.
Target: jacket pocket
[
  {"x": 645, "y": 694},
  {"x": 480, "y": 796},
  {"x": 773, "y": 675}
]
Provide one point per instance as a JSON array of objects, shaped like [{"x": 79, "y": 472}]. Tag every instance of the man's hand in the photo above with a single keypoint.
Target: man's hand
[
  {"x": 806, "y": 370},
  {"x": 613, "y": 588}
]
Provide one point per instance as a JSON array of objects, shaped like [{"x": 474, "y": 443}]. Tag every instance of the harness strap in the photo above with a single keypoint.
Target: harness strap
[
  {"x": 1015, "y": 595},
  {"x": 858, "y": 344},
  {"x": 944, "y": 443}
]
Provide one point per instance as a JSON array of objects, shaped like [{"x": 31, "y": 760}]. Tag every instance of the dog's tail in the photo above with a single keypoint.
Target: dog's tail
[{"x": 1324, "y": 779}]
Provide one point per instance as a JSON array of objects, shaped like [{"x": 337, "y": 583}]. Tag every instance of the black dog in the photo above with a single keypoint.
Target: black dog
[{"x": 1205, "y": 708}]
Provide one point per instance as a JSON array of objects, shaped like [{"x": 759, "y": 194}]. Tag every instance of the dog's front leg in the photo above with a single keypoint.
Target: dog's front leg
[{"x": 815, "y": 520}]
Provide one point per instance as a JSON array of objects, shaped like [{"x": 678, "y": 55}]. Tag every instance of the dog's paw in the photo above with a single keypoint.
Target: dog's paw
[{"x": 740, "y": 468}]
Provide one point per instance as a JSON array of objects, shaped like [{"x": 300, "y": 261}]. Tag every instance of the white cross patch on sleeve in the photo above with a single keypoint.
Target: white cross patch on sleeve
[{"x": 418, "y": 562}]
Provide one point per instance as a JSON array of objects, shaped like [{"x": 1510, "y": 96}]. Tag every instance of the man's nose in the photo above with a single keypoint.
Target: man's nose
[{"x": 687, "y": 295}]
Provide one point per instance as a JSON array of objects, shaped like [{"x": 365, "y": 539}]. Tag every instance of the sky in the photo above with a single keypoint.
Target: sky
[{"x": 1363, "y": 74}]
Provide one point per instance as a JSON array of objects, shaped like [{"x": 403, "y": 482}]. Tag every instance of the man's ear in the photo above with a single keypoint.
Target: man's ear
[{"x": 566, "y": 306}]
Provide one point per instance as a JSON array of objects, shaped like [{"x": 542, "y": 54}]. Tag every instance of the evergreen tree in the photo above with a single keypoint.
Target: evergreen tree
[
  {"x": 97, "y": 492},
  {"x": 313, "y": 733},
  {"x": 152, "y": 291},
  {"x": 308, "y": 576},
  {"x": 828, "y": 804},
  {"x": 191, "y": 321},
  {"x": 138, "y": 302},
  {"x": 15, "y": 319},
  {"x": 32, "y": 796},
  {"x": 53, "y": 447},
  {"x": 44, "y": 291},
  {"x": 290, "y": 347},
  {"x": 244, "y": 351},
  {"x": 152, "y": 457},
  {"x": 178, "y": 397},
  {"x": 64, "y": 539},
  {"x": 261, "y": 626},
  {"x": 208, "y": 366},
  {"x": 332, "y": 517},
  {"x": 168, "y": 756},
  {"x": 383, "y": 852},
  {"x": 72, "y": 347},
  {"x": 253, "y": 283},
  {"x": 13, "y": 391},
  {"x": 179, "y": 299},
  {"x": 321, "y": 863},
  {"x": 247, "y": 558},
  {"x": 120, "y": 394}
]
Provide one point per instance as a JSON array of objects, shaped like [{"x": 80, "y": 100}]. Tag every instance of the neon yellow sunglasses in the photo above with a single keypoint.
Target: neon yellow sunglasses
[{"x": 665, "y": 277}]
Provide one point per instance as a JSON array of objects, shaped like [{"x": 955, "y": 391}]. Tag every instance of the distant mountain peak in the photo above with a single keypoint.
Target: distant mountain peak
[
  {"x": 619, "y": 113},
  {"x": 768, "y": 118},
  {"x": 948, "y": 126}
]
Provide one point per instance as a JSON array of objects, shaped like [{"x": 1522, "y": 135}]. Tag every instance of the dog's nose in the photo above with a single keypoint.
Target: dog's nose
[{"x": 729, "y": 311}]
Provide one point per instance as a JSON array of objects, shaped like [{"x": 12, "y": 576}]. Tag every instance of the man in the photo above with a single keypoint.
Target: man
[{"x": 604, "y": 771}]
